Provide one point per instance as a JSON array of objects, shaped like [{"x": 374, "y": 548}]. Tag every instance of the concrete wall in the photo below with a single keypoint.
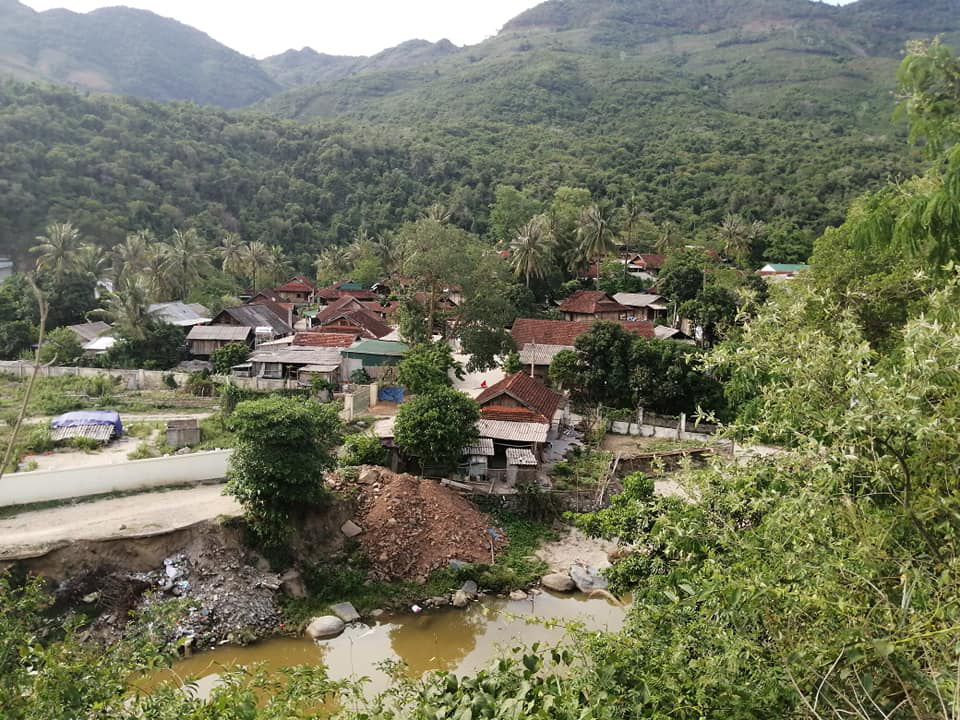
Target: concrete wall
[
  {"x": 662, "y": 426},
  {"x": 358, "y": 400},
  {"x": 130, "y": 379},
  {"x": 43, "y": 485}
]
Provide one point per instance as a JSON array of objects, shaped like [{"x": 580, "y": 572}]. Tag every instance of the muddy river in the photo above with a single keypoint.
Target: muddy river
[{"x": 441, "y": 639}]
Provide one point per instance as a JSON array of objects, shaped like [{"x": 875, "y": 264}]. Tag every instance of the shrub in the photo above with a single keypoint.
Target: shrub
[
  {"x": 224, "y": 358},
  {"x": 360, "y": 377},
  {"x": 364, "y": 449}
]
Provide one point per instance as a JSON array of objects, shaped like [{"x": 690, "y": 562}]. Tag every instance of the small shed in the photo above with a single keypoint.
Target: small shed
[
  {"x": 477, "y": 455},
  {"x": 521, "y": 465},
  {"x": 374, "y": 356},
  {"x": 181, "y": 433},
  {"x": 204, "y": 340},
  {"x": 99, "y": 425}
]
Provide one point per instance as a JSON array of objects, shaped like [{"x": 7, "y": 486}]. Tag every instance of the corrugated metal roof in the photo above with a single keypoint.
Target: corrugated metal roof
[
  {"x": 319, "y": 368},
  {"x": 483, "y": 446},
  {"x": 258, "y": 316},
  {"x": 218, "y": 332},
  {"x": 91, "y": 330},
  {"x": 297, "y": 355},
  {"x": 541, "y": 354},
  {"x": 519, "y": 432},
  {"x": 520, "y": 456},
  {"x": 180, "y": 314},
  {"x": 387, "y": 348},
  {"x": 100, "y": 433},
  {"x": 637, "y": 300}
]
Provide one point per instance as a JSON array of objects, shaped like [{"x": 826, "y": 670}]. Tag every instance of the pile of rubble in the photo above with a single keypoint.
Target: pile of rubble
[
  {"x": 230, "y": 600},
  {"x": 412, "y": 526}
]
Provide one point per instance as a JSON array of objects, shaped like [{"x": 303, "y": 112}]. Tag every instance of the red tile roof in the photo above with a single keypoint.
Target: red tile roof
[
  {"x": 338, "y": 306},
  {"x": 510, "y": 414},
  {"x": 295, "y": 286},
  {"x": 389, "y": 309},
  {"x": 361, "y": 318},
  {"x": 649, "y": 261},
  {"x": 536, "y": 397},
  {"x": 325, "y": 339},
  {"x": 591, "y": 302},
  {"x": 566, "y": 332}
]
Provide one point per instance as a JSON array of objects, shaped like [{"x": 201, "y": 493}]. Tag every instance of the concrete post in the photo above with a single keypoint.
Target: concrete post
[{"x": 682, "y": 427}]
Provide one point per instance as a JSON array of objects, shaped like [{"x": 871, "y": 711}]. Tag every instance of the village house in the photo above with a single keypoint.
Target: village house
[
  {"x": 344, "y": 288},
  {"x": 781, "y": 271},
  {"x": 539, "y": 341},
  {"x": 293, "y": 362},
  {"x": 374, "y": 357},
  {"x": 591, "y": 305},
  {"x": 259, "y": 318},
  {"x": 88, "y": 331},
  {"x": 518, "y": 415},
  {"x": 645, "y": 265},
  {"x": 204, "y": 340},
  {"x": 644, "y": 306},
  {"x": 349, "y": 315},
  {"x": 179, "y": 314},
  {"x": 298, "y": 290}
]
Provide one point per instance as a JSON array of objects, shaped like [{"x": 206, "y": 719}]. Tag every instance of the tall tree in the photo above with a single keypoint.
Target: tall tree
[
  {"x": 130, "y": 256},
  {"x": 187, "y": 258},
  {"x": 256, "y": 259},
  {"x": 532, "y": 249},
  {"x": 734, "y": 235},
  {"x": 595, "y": 232},
  {"x": 231, "y": 254},
  {"x": 57, "y": 249}
]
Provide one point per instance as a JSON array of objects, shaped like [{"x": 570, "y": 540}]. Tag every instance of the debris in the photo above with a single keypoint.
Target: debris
[
  {"x": 327, "y": 626},
  {"x": 369, "y": 476},
  {"x": 416, "y": 609},
  {"x": 415, "y": 526},
  {"x": 460, "y": 599},
  {"x": 91, "y": 598},
  {"x": 558, "y": 582},
  {"x": 351, "y": 529},
  {"x": 376, "y": 613},
  {"x": 346, "y": 612}
]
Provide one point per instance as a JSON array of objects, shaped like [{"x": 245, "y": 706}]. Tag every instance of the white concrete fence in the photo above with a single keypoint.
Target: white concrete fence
[
  {"x": 663, "y": 426},
  {"x": 43, "y": 485}
]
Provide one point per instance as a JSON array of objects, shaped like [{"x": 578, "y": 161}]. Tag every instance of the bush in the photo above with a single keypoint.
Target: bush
[
  {"x": 200, "y": 384},
  {"x": 84, "y": 443},
  {"x": 360, "y": 377},
  {"x": 364, "y": 449},
  {"x": 61, "y": 347},
  {"x": 224, "y": 358},
  {"x": 170, "y": 381}
]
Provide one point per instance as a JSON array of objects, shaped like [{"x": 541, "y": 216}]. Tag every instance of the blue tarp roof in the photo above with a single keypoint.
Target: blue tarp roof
[{"x": 89, "y": 417}]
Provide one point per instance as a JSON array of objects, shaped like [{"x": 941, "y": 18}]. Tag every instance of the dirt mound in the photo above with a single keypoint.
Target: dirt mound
[{"x": 414, "y": 526}]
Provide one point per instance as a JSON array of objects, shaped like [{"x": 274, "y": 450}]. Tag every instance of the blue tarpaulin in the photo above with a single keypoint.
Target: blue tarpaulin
[
  {"x": 390, "y": 393},
  {"x": 78, "y": 418}
]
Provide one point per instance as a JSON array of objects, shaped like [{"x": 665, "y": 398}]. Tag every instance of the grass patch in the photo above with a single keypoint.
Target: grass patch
[
  {"x": 583, "y": 469},
  {"x": 346, "y": 577},
  {"x": 214, "y": 434}
]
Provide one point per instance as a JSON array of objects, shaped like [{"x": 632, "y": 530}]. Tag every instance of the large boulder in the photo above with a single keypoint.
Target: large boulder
[
  {"x": 470, "y": 588},
  {"x": 460, "y": 599},
  {"x": 346, "y": 612},
  {"x": 369, "y": 476},
  {"x": 326, "y": 626},
  {"x": 558, "y": 582},
  {"x": 518, "y": 595},
  {"x": 587, "y": 579}
]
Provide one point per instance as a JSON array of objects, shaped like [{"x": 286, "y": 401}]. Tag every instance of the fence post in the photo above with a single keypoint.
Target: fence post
[
  {"x": 682, "y": 427},
  {"x": 348, "y": 405},
  {"x": 374, "y": 393}
]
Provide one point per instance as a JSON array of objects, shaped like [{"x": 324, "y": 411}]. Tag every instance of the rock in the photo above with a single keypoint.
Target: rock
[
  {"x": 460, "y": 599},
  {"x": 376, "y": 613},
  {"x": 260, "y": 562},
  {"x": 587, "y": 579},
  {"x": 326, "y": 626},
  {"x": 518, "y": 595},
  {"x": 350, "y": 529},
  {"x": 619, "y": 552},
  {"x": 270, "y": 582},
  {"x": 91, "y": 598},
  {"x": 368, "y": 476},
  {"x": 558, "y": 582},
  {"x": 438, "y": 601},
  {"x": 123, "y": 526},
  {"x": 291, "y": 584},
  {"x": 470, "y": 588},
  {"x": 346, "y": 612},
  {"x": 456, "y": 564}
]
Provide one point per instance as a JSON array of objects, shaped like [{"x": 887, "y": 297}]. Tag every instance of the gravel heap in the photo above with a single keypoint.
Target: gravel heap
[{"x": 413, "y": 526}]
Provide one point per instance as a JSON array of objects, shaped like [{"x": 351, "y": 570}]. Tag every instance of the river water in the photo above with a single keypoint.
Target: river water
[{"x": 440, "y": 639}]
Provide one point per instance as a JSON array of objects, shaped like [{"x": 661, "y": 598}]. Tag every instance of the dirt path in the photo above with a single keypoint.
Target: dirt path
[
  {"x": 573, "y": 548},
  {"x": 37, "y": 532}
]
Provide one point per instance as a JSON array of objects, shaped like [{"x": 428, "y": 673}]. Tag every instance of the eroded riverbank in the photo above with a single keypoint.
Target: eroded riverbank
[{"x": 449, "y": 639}]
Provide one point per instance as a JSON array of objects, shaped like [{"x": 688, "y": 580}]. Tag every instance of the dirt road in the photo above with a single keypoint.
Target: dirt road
[{"x": 34, "y": 533}]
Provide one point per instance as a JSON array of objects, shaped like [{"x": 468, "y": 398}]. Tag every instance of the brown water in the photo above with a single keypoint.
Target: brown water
[{"x": 442, "y": 639}]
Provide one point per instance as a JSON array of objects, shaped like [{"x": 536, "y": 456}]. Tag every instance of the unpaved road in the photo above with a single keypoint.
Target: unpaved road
[{"x": 34, "y": 533}]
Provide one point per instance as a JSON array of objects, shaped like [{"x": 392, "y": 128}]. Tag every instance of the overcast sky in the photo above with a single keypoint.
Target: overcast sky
[{"x": 352, "y": 27}]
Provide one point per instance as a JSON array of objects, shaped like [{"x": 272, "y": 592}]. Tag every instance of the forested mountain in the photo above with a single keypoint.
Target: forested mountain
[
  {"x": 778, "y": 110},
  {"x": 127, "y": 52}
]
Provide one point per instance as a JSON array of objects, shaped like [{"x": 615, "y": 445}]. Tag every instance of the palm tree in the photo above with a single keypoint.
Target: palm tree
[
  {"x": 130, "y": 256},
  {"x": 734, "y": 233},
  {"x": 532, "y": 249},
  {"x": 90, "y": 260},
  {"x": 438, "y": 213},
  {"x": 154, "y": 275},
  {"x": 595, "y": 233},
  {"x": 668, "y": 237},
  {"x": 126, "y": 309},
  {"x": 56, "y": 251},
  {"x": 277, "y": 266},
  {"x": 188, "y": 257},
  {"x": 632, "y": 214},
  {"x": 331, "y": 264},
  {"x": 231, "y": 254},
  {"x": 256, "y": 258}
]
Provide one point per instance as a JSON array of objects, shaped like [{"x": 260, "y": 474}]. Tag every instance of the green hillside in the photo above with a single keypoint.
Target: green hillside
[{"x": 127, "y": 52}]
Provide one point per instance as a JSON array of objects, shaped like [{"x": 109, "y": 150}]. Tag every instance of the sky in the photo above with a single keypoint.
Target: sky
[{"x": 355, "y": 27}]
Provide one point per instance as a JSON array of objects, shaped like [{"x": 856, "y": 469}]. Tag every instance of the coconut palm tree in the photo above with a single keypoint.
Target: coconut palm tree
[
  {"x": 595, "y": 233},
  {"x": 126, "y": 309},
  {"x": 56, "y": 250},
  {"x": 154, "y": 274},
  {"x": 331, "y": 264},
  {"x": 734, "y": 233},
  {"x": 130, "y": 256},
  {"x": 256, "y": 259},
  {"x": 91, "y": 261},
  {"x": 188, "y": 258},
  {"x": 231, "y": 254},
  {"x": 438, "y": 213},
  {"x": 632, "y": 213},
  {"x": 278, "y": 267},
  {"x": 532, "y": 249}
]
